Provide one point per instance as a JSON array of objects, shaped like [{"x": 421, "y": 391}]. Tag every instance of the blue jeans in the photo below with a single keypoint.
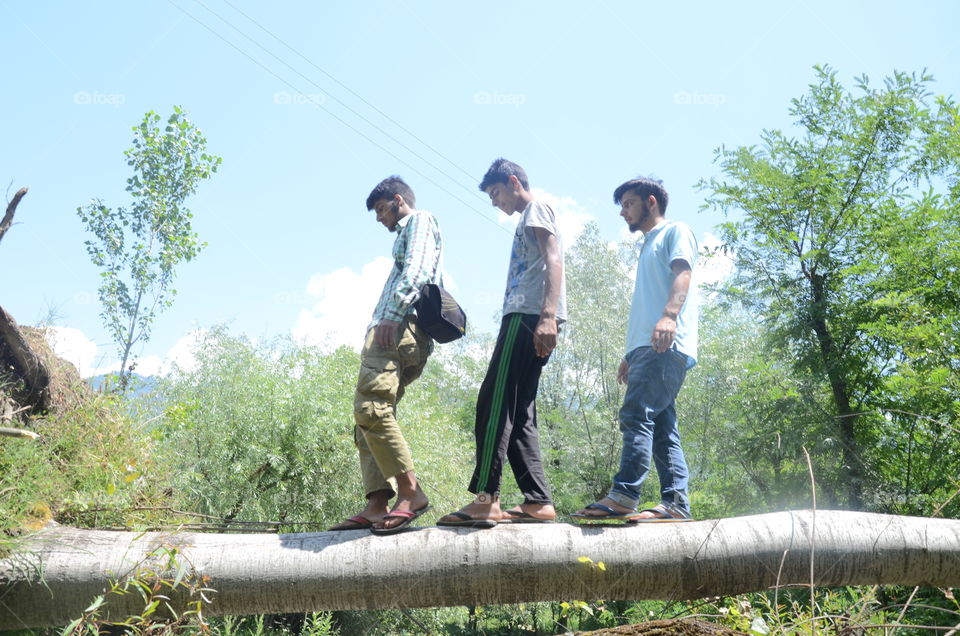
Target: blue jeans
[{"x": 648, "y": 421}]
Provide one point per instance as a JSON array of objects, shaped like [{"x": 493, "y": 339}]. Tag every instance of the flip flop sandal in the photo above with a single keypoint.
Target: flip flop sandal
[
  {"x": 519, "y": 516},
  {"x": 466, "y": 521},
  {"x": 664, "y": 515},
  {"x": 359, "y": 523},
  {"x": 610, "y": 514},
  {"x": 407, "y": 519}
]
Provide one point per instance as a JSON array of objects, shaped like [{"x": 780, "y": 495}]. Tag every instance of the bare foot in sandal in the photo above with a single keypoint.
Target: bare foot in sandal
[
  {"x": 373, "y": 513},
  {"x": 411, "y": 503},
  {"x": 530, "y": 513}
]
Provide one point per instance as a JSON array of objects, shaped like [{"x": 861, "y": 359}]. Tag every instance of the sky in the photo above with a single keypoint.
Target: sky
[{"x": 311, "y": 104}]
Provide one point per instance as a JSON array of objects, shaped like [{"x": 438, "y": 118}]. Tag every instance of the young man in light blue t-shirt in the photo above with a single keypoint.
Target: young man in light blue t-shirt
[{"x": 661, "y": 346}]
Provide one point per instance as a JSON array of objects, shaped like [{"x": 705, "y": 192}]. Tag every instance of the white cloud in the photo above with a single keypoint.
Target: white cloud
[
  {"x": 183, "y": 354},
  {"x": 715, "y": 268},
  {"x": 571, "y": 216},
  {"x": 149, "y": 365},
  {"x": 345, "y": 302},
  {"x": 73, "y": 346},
  {"x": 180, "y": 357}
]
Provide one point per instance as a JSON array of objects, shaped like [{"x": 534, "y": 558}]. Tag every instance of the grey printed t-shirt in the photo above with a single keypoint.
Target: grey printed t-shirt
[{"x": 526, "y": 277}]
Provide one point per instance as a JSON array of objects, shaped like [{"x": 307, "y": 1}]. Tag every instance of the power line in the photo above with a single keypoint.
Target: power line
[
  {"x": 342, "y": 103},
  {"x": 349, "y": 90},
  {"x": 337, "y": 117}
]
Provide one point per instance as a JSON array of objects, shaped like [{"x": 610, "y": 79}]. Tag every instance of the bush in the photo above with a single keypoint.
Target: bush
[
  {"x": 93, "y": 466},
  {"x": 265, "y": 432}
]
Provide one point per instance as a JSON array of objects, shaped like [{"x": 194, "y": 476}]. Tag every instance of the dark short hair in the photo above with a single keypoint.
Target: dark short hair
[
  {"x": 644, "y": 187},
  {"x": 500, "y": 171},
  {"x": 389, "y": 188}
]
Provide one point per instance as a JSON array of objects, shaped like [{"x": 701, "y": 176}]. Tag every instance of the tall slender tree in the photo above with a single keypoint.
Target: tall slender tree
[{"x": 138, "y": 247}]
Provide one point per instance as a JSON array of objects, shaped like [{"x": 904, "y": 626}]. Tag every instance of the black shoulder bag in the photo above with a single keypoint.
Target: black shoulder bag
[{"x": 439, "y": 314}]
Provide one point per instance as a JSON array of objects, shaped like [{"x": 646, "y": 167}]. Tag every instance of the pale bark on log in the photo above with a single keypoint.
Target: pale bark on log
[{"x": 55, "y": 575}]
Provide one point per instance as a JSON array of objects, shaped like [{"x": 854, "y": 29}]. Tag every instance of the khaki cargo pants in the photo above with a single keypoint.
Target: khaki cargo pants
[{"x": 384, "y": 374}]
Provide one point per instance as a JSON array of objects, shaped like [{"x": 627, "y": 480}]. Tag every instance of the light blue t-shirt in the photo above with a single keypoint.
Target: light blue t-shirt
[{"x": 668, "y": 242}]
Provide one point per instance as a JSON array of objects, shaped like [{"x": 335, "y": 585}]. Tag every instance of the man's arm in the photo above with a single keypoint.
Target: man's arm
[
  {"x": 545, "y": 335},
  {"x": 666, "y": 328}
]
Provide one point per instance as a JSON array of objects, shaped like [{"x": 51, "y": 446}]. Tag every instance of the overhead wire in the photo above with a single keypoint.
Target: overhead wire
[
  {"x": 341, "y": 102},
  {"x": 340, "y": 119},
  {"x": 484, "y": 216},
  {"x": 348, "y": 89}
]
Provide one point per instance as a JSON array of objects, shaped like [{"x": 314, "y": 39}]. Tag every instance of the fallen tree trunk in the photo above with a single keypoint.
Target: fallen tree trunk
[{"x": 59, "y": 571}]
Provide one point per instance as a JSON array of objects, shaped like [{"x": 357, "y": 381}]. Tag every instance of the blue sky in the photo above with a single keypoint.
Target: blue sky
[{"x": 311, "y": 104}]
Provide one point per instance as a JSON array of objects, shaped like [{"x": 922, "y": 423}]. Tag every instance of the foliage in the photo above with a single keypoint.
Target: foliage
[
  {"x": 257, "y": 432},
  {"x": 747, "y": 416},
  {"x": 313, "y": 624},
  {"x": 265, "y": 432},
  {"x": 915, "y": 290},
  {"x": 399, "y": 622},
  {"x": 579, "y": 398},
  {"x": 161, "y": 575},
  {"x": 846, "y": 610},
  {"x": 94, "y": 466},
  {"x": 813, "y": 222},
  {"x": 137, "y": 248}
]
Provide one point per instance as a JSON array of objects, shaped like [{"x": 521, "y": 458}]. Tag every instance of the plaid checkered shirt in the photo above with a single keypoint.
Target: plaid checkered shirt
[{"x": 417, "y": 253}]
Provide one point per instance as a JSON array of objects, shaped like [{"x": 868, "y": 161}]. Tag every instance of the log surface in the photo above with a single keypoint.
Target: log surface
[{"x": 59, "y": 571}]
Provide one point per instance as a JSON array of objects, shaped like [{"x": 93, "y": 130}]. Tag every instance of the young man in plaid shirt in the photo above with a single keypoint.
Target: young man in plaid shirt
[{"x": 394, "y": 354}]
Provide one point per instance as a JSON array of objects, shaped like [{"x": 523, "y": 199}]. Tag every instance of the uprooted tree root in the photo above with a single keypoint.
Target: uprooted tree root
[{"x": 33, "y": 380}]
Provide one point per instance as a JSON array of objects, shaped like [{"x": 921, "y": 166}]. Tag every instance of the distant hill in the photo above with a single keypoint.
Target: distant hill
[{"x": 139, "y": 384}]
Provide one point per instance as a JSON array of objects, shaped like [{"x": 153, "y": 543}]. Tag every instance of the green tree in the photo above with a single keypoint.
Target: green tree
[
  {"x": 822, "y": 226},
  {"x": 747, "y": 415},
  {"x": 138, "y": 247},
  {"x": 916, "y": 287},
  {"x": 262, "y": 432}
]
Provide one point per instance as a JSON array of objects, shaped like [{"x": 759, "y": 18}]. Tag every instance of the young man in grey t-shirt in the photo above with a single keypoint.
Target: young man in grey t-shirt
[{"x": 534, "y": 306}]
